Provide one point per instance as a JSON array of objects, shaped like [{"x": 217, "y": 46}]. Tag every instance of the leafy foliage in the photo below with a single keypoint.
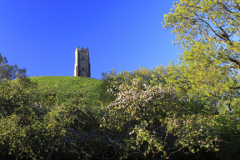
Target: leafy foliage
[
  {"x": 184, "y": 111},
  {"x": 9, "y": 72}
]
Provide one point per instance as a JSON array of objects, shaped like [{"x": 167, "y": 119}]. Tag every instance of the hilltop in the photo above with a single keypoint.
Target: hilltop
[{"x": 68, "y": 85}]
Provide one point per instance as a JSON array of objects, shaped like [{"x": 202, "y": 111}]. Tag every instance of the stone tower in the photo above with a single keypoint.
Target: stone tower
[{"x": 82, "y": 63}]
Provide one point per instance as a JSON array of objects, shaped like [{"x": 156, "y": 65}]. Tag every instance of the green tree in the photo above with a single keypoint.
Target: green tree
[
  {"x": 9, "y": 72},
  {"x": 221, "y": 14},
  {"x": 158, "y": 121},
  {"x": 34, "y": 124},
  {"x": 208, "y": 74},
  {"x": 111, "y": 82}
]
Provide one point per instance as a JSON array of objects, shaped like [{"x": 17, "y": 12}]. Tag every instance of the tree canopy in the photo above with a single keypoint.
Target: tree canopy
[
  {"x": 9, "y": 72},
  {"x": 191, "y": 22}
]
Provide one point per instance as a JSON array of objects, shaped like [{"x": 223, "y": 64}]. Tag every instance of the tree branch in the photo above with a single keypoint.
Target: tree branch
[
  {"x": 234, "y": 61},
  {"x": 237, "y": 6},
  {"x": 229, "y": 104},
  {"x": 234, "y": 87},
  {"x": 224, "y": 36},
  {"x": 221, "y": 3},
  {"x": 212, "y": 29}
]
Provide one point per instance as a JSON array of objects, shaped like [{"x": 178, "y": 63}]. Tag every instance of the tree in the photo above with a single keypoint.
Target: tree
[
  {"x": 34, "y": 124},
  {"x": 221, "y": 14},
  {"x": 210, "y": 74},
  {"x": 10, "y": 72},
  {"x": 111, "y": 82},
  {"x": 168, "y": 77},
  {"x": 207, "y": 77},
  {"x": 156, "y": 121}
]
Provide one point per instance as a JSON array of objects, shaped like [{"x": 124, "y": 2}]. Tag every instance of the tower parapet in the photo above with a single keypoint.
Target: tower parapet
[
  {"x": 82, "y": 49},
  {"x": 82, "y": 62}
]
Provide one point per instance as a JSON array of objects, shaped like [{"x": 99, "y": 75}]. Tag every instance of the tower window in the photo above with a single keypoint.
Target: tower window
[
  {"x": 82, "y": 57},
  {"x": 83, "y": 69}
]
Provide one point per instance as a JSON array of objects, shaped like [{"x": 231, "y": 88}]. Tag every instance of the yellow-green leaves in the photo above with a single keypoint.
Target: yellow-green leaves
[{"x": 205, "y": 13}]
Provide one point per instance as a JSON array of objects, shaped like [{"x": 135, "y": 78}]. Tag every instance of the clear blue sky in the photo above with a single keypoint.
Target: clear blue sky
[{"x": 42, "y": 35}]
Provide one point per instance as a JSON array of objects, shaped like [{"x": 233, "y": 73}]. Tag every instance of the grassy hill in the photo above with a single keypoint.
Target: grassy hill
[{"x": 67, "y": 85}]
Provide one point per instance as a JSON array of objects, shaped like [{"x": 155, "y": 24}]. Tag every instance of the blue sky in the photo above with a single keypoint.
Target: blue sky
[{"x": 124, "y": 35}]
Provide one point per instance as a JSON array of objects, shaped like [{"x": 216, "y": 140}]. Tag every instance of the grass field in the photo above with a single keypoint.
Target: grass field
[{"x": 65, "y": 85}]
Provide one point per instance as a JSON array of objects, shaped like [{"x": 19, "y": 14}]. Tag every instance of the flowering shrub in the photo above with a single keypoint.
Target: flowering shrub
[{"x": 157, "y": 120}]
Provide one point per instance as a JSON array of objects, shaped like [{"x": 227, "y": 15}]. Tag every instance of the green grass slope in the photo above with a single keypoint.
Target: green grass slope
[{"x": 67, "y": 85}]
